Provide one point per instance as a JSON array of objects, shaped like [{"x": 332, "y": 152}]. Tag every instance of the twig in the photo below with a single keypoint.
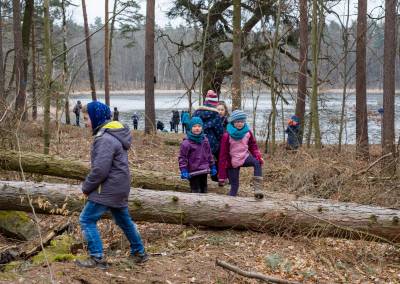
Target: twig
[
  {"x": 251, "y": 274},
  {"x": 372, "y": 164}
]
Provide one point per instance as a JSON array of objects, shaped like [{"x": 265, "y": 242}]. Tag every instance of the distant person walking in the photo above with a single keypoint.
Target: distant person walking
[
  {"x": 185, "y": 119},
  {"x": 116, "y": 114},
  {"x": 135, "y": 120},
  {"x": 293, "y": 132},
  {"x": 175, "y": 120},
  {"x": 77, "y": 111}
]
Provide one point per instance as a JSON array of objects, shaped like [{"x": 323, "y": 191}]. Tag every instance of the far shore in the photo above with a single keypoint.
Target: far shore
[{"x": 224, "y": 91}]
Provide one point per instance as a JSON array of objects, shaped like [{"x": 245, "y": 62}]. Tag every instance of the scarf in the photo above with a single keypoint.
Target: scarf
[
  {"x": 235, "y": 133},
  {"x": 197, "y": 138}
]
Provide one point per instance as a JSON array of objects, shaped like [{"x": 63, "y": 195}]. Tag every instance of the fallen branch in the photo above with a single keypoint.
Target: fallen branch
[
  {"x": 26, "y": 250},
  {"x": 251, "y": 274},
  {"x": 363, "y": 171}
]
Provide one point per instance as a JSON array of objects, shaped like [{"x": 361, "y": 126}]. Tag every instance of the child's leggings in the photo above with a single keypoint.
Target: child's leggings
[
  {"x": 233, "y": 173},
  {"x": 198, "y": 184}
]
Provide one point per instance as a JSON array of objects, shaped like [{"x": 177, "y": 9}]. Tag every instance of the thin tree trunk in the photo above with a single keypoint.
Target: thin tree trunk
[
  {"x": 314, "y": 96},
  {"x": 34, "y": 98},
  {"x": 65, "y": 64},
  {"x": 47, "y": 77},
  {"x": 236, "y": 50},
  {"x": 26, "y": 37},
  {"x": 272, "y": 82},
  {"x": 2, "y": 77},
  {"x": 88, "y": 52},
  {"x": 150, "y": 116},
  {"x": 106, "y": 55},
  {"x": 361, "y": 84},
  {"x": 389, "y": 84},
  {"x": 302, "y": 77},
  {"x": 345, "y": 75},
  {"x": 303, "y": 216},
  {"x": 19, "y": 69},
  {"x": 112, "y": 28}
]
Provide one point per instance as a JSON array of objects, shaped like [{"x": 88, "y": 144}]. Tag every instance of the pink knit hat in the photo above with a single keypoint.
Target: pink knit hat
[{"x": 211, "y": 98}]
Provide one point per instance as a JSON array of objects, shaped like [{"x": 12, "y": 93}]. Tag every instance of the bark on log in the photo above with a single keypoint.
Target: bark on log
[
  {"x": 60, "y": 167},
  {"x": 304, "y": 216}
]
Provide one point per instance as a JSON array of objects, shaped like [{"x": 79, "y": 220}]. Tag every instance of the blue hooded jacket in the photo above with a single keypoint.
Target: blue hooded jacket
[
  {"x": 108, "y": 182},
  {"x": 212, "y": 126}
]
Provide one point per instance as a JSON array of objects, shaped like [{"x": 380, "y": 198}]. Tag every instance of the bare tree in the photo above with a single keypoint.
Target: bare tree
[
  {"x": 34, "y": 97},
  {"x": 150, "y": 115},
  {"x": 106, "y": 55},
  {"x": 345, "y": 35},
  {"x": 65, "y": 63},
  {"x": 302, "y": 77},
  {"x": 389, "y": 83},
  {"x": 47, "y": 77},
  {"x": 314, "y": 96},
  {"x": 88, "y": 52},
  {"x": 361, "y": 86},
  {"x": 236, "y": 70},
  {"x": 19, "y": 73},
  {"x": 2, "y": 77}
]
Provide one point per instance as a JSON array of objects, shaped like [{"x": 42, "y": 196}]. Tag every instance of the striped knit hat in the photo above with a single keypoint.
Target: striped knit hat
[
  {"x": 237, "y": 115},
  {"x": 211, "y": 99}
]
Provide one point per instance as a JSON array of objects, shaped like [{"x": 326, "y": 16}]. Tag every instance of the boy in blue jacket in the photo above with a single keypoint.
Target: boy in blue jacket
[{"x": 107, "y": 185}]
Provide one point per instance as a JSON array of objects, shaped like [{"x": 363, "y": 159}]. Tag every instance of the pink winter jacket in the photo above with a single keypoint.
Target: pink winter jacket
[{"x": 225, "y": 160}]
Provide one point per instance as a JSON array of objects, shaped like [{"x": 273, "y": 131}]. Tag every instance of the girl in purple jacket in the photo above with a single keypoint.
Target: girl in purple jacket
[
  {"x": 239, "y": 149},
  {"x": 195, "y": 157}
]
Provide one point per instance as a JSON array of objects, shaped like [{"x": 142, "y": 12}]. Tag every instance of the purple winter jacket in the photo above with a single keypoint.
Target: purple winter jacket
[
  {"x": 195, "y": 157},
  {"x": 109, "y": 180}
]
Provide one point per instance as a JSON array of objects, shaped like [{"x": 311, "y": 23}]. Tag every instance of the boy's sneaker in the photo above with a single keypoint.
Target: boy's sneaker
[
  {"x": 93, "y": 262},
  {"x": 139, "y": 258}
]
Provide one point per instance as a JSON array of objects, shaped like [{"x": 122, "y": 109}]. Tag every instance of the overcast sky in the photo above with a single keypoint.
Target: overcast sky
[{"x": 95, "y": 8}]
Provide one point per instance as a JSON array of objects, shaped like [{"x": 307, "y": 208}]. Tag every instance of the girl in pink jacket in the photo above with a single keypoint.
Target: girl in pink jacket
[{"x": 239, "y": 149}]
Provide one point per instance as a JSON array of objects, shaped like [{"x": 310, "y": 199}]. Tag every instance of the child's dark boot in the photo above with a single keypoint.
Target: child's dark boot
[
  {"x": 93, "y": 262},
  {"x": 258, "y": 187},
  {"x": 139, "y": 258}
]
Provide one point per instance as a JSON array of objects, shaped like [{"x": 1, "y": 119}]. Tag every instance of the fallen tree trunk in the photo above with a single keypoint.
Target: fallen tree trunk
[
  {"x": 304, "y": 216},
  {"x": 65, "y": 168}
]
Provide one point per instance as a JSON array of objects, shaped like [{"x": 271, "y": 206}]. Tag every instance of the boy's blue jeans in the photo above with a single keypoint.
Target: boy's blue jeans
[{"x": 93, "y": 212}]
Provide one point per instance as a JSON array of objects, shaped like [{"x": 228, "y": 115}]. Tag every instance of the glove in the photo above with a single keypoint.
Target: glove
[
  {"x": 185, "y": 174},
  {"x": 213, "y": 171}
]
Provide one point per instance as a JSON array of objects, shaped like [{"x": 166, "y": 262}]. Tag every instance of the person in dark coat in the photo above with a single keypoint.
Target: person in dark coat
[
  {"x": 293, "y": 132},
  {"x": 77, "y": 112},
  {"x": 195, "y": 157},
  {"x": 160, "y": 125},
  {"x": 213, "y": 127},
  {"x": 135, "y": 120},
  {"x": 107, "y": 185},
  {"x": 175, "y": 120},
  {"x": 116, "y": 114}
]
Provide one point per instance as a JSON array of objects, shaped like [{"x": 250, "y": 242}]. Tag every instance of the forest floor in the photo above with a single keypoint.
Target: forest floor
[{"x": 185, "y": 254}]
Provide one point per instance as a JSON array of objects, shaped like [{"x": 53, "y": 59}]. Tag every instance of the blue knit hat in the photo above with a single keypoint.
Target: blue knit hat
[
  {"x": 237, "y": 115},
  {"x": 195, "y": 120},
  {"x": 99, "y": 113},
  {"x": 295, "y": 118}
]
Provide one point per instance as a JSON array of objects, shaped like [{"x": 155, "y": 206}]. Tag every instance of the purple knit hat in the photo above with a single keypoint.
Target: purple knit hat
[{"x": 211, "y": 99}]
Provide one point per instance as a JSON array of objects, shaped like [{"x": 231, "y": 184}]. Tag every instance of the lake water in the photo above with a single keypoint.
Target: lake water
[{"x": 330, "y": 105}]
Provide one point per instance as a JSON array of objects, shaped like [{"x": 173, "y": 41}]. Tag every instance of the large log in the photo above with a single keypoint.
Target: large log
[
  {"x": 303, "y": 216},
  {"x": 55, "y": 166}
]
